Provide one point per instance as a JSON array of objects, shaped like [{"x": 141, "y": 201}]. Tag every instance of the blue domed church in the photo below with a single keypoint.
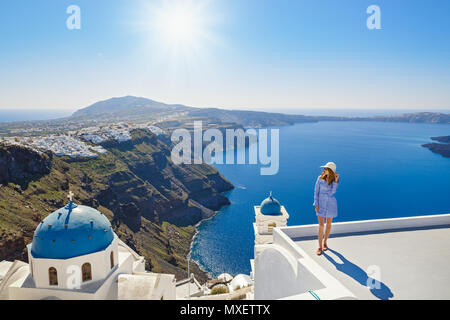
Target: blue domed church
[
  {"x": 75, "y": 254},
  {"x": 70, "y": 232}
]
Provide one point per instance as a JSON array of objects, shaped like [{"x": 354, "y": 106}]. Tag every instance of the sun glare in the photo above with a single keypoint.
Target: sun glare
[
  {"x": 180, "y": 25},
  {"x": 180, "y": 31}
]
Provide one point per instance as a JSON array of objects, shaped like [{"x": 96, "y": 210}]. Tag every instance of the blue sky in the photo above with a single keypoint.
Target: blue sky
[{"x": 252, "y": 54}]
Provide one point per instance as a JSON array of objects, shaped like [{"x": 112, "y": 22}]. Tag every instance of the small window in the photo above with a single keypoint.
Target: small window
[
  {"x": 111, "y": 259},
  {"x": 53, "y": 276},
  {"x": 86, "y": 271},
  {"x": 271, "y": 226}
]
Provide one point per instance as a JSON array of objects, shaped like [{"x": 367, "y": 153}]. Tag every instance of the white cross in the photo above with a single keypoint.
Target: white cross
[{"x": 70, "y": 196}]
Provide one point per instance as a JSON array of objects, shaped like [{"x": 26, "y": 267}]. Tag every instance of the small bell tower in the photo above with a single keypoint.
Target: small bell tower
[{"x": 268, "y": 215}]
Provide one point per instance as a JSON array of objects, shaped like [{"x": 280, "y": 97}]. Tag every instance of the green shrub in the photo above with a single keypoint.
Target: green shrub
[{"x": 219, "y": 290}]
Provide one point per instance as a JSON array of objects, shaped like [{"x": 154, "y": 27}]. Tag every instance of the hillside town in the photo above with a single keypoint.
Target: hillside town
[{"x": 83, "y": 143}]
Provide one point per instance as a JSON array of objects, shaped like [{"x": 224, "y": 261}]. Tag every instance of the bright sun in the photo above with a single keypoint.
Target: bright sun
[
  {"x": 180, "y": 26},
  {"x": 182, "y": 31}
]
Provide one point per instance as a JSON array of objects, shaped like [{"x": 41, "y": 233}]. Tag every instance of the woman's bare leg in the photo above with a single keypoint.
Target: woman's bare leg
[
  {"x": 328, "y": 229},
  {"x": 320, "y": 233}
]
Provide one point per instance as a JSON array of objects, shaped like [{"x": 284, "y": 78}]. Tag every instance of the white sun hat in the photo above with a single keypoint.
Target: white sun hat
[{"x": 330, "y": 165}]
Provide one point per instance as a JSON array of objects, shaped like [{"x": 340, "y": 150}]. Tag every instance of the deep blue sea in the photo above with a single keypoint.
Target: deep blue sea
[{"x": 385, "y": 173}]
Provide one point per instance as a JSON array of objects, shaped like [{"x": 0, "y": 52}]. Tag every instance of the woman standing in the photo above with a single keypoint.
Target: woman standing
[{"x": 325, "y": 203}]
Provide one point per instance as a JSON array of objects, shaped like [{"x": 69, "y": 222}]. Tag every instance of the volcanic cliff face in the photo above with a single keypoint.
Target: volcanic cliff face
[
  {"x": 20, "y": 165},
  {"x": 158, "y": 186},
  {"x": 151, "y": 202}
]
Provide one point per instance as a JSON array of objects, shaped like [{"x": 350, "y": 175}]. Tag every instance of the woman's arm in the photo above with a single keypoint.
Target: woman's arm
[
  {"x": 316, "y": 193},
  {"x": 334, "y": 187}
]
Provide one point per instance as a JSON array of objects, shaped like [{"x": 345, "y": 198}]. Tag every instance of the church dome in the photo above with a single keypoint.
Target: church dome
[
  {"x": 271, "y": 206},
  {"x": 71, "y": 231}
]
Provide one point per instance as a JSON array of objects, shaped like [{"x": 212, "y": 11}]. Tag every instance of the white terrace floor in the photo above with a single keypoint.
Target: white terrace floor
[{"x": 413, "y": 263}]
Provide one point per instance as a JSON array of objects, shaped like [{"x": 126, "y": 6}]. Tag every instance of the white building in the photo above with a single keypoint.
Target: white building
[
  {"x": 399, "y": 258},
  {"x": 75, "y": 254},
  {"x": 269, "y": 215}
]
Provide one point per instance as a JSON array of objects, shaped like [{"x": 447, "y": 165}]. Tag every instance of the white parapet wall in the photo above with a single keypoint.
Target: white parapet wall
[
  {"x": 283, "y": 270},
  {"x": 365, "y": 226},
  {"x": 146, "y": 286}
]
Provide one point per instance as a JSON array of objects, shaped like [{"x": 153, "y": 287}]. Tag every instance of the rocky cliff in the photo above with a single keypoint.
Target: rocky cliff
[
  {"x": 21, "y": 165},
  {"x": 151, "y": 202}
]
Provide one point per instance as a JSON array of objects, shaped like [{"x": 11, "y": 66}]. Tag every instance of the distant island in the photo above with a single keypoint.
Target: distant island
[
  {"x": 442, "y": 148},
  {"x": 171, "y": 116},
  {"x": 130, "y": 107}
]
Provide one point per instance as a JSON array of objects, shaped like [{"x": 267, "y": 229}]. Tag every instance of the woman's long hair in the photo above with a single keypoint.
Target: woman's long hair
[{"x": 329, "y": 176}]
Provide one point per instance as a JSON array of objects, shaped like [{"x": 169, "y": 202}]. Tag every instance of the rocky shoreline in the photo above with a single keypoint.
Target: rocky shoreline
[
  {"x": 209, "y": 275},
  {"x": 442, "y": 146}
]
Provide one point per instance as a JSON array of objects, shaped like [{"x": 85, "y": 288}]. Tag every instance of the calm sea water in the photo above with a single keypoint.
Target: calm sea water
[
  {"x": 29, "y": 115},
  {"x": 385, "y": 173}
]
